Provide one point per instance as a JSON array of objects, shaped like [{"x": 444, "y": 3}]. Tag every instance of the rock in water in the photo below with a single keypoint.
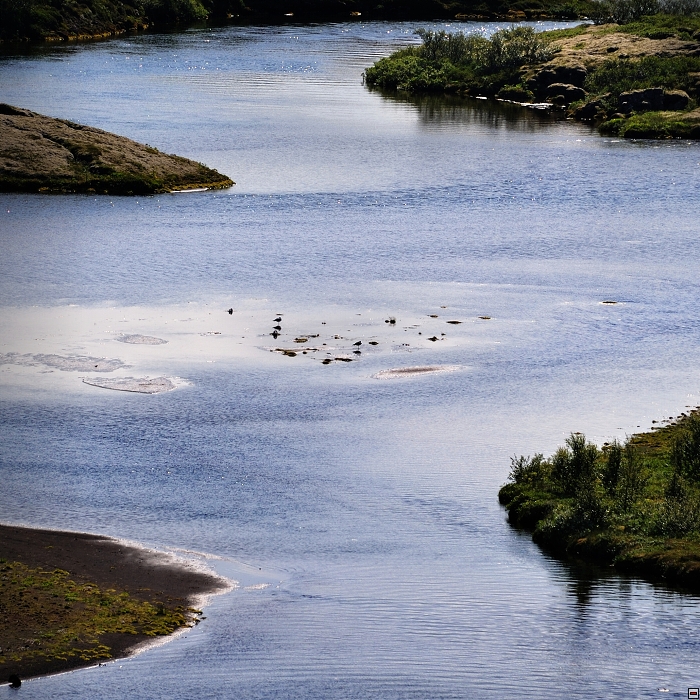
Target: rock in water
[{"x": 43, "y": 154}]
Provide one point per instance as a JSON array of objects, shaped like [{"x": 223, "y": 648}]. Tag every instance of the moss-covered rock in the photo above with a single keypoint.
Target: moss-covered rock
[{"x": 43, "y": 154}]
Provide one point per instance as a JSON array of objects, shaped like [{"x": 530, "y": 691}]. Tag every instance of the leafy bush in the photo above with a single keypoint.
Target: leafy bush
[
  {"x": 613, "y": 465},
  {"x": 685, "y": 451},
  {"x": 679, "y": 513},
  {"x": 515, "y": 47},
  {"x": 444, "y": 59},
  {"x": 632, "y": 479},
  {"x": 526, "y": 470},
  {"x": 575, "y": 464},
  {"x": 456, "y": 48},
  {"x": 410, "y": 71}
]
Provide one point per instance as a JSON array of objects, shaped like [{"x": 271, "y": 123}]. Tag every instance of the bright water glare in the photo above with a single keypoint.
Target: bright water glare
[{"x": 357, "y": 509}]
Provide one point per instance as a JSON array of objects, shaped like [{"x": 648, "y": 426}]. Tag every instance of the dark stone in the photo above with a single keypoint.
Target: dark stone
[
  {"x": 675, "y": 100},
  {"x": 569, "y": 75},
  {"x": 14, "y": 111},
  {"x": 649, "y": 100},
  {"x": 15, "y": 681},
  {"x": 595, "y": 109},
  {"x": 569, "y": 93}
]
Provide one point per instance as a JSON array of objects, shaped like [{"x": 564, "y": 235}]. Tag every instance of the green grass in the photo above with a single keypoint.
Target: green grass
[
  {"x": 555, "y": 34},
  {"x": 652, "y": 125},
  {"x": 636, "y": 505},
  {"x": 620, "y": 75},
  {"x": 663, "y": 26}
]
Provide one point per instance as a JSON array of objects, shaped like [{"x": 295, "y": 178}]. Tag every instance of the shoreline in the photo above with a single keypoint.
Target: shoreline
[
  {"x": 633, "y": 507},
  {"x": 636, "y": 80},
  {"x": 57, "y": 574}
]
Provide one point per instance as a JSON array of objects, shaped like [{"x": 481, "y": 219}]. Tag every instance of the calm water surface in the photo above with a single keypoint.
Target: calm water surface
[{"x": 358, "y": 515}]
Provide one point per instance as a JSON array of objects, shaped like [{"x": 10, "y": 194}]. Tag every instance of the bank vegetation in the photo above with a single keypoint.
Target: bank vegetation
[
  {"x": 634, "y": 505},
  {"x": 637, "y": 77}
]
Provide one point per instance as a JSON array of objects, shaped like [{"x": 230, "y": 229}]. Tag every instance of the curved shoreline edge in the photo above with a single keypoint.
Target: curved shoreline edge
[
  {"x": 54, "y": 582},
  {"x": 632, "y": 507},
  {"x": 639, "y": 80},
  {"x": 49, "y": 155}
]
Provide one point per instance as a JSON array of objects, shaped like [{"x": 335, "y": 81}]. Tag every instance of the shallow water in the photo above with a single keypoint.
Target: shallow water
[{"x": 359, "y": 516}]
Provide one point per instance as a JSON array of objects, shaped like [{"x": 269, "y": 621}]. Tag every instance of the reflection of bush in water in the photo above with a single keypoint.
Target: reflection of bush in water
[{"x": 450, "y": 109}]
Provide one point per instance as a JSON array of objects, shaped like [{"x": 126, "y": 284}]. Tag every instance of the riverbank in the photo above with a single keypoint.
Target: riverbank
[
  {"x": 43, "y": 154},
  {"x": 70, "y": 600},
  {"x": 635, "y": 507},
  {"x": 42, "y": 21},
  {"x": 637, "y": 80}
]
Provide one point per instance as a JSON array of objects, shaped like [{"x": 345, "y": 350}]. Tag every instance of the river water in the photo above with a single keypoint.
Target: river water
[{"x": 356, "y": 510}]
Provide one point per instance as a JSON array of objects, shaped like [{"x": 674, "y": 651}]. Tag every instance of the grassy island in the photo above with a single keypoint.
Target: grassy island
[
  {"x": 636, "y": 78},
  {"x": 70, "y": 599},
  {"x": 42, "y": 154},
  {"x": 635, "y": 506}
]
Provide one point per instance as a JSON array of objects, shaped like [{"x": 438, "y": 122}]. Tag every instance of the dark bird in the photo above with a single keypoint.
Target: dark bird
[
  {"x": 278, "y": 319},
  {"x": 230, "y": 311},
  {"x": 357, "y": 352},
  {"x": 276, "y": 328},
  {"x": 358, "y": 343}
]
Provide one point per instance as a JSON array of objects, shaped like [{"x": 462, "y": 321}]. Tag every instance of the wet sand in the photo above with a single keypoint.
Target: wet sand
[{"x": 147, "y": 576}]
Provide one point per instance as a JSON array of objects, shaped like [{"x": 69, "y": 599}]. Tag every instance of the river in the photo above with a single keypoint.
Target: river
[{"x": 356, "y": 509}]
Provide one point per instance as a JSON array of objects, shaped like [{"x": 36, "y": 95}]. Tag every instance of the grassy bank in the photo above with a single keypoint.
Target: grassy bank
[
  {"x": 635, "y": 506},
  {"x": 640, "y": 79}
]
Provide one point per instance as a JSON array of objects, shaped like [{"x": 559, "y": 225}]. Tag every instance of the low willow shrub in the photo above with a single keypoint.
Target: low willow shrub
[{"x": 622, "y": 488}]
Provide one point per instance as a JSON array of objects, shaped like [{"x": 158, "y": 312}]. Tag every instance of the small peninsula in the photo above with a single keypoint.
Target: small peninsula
[
  {"x": 70, "y": 600},
  {"x": 43, "y": 154},
  {"x": 634, "y": 506},
  {"x": 636, "y": 79}
]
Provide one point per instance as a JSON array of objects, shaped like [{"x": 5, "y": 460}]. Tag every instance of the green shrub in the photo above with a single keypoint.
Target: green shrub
[
  {"x": 679, "y": 512},
  {"x": 613, "y": 465},
  {"x": 445, "y": 60},
  {"x": 515, "y": 47},
  {"x": 575, "y": 464},
  {"x": 526, "y": 470},
  {"x": 685, "y": 451},
  {"x": 517, "y": 93},
  {"x": 632, "y": 479},
  {"x": 456, "y": 48}
]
